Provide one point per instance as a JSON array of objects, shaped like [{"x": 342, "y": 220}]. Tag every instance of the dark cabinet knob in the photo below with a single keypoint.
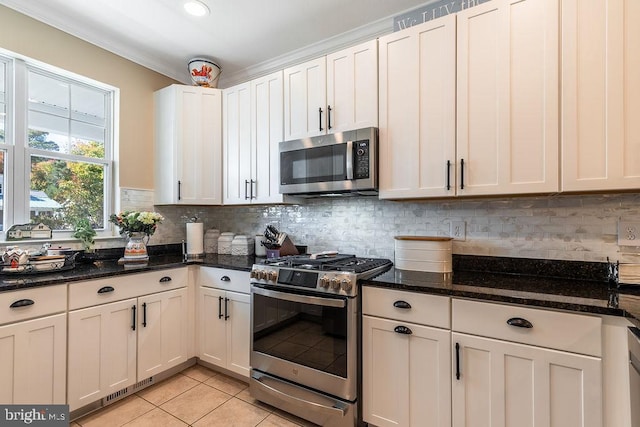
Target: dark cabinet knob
[
  {"x": 519, "y": 322},
  {"x": 22, "y": 303},
  {"x": 402, "y": 304},
  {"x": 402, "y": 330}
]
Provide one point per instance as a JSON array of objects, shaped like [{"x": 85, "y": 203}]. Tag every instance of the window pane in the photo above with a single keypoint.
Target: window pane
[
  {"x": 63, "y": 192},
  {"x": 2, "y": 188},
  {"x": 3, "y": 108},
  {"x": 88, "y": 104},
  {"x": 48, "y": 132},
  {"x": 48, "y": 94}
]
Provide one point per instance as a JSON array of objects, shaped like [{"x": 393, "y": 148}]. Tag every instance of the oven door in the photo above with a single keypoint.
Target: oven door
[{"x": 306, "y": 339}]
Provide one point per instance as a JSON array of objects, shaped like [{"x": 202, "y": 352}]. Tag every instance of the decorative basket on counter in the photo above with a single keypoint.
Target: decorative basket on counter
[{"x": 41, "y": 264}]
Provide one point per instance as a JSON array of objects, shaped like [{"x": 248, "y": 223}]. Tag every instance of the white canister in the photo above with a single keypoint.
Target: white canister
[
  {"x": 224, "y": 243},
  {"x": 260, "y": 250},
  {"x": 424, "y": 253},
  {"x": 242, "y": 245},
  {"x": 211, "y": 241}
]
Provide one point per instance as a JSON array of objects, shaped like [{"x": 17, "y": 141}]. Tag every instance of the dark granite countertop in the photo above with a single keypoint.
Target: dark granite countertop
[
  {"x": 563, "y": 285},
  {"x": 110, "y": 267}
]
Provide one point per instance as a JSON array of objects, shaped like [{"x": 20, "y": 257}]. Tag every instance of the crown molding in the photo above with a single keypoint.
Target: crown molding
[{"x": 361, "y": 34}]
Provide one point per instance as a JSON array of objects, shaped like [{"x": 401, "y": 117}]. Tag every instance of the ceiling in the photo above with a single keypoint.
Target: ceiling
[{"x": 245, "y": 37}]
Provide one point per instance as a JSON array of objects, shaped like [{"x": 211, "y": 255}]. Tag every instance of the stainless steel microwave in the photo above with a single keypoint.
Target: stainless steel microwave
[{"x": 344, "y": 163}]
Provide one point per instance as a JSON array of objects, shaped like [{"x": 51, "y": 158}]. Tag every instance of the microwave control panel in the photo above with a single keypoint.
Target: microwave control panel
[{"x": 361, "y": 166}]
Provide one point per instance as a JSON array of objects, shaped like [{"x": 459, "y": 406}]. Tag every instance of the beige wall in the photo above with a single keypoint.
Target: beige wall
[{"x": 26, "y": 36}]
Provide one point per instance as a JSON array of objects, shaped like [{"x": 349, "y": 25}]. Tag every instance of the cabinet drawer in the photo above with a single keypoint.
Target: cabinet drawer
[
  {"x": 46, "y": 300},
  {"x": 116, "y": 288},
  {"x": 576, "y": 333},
  {"x": 230, "y": 280},
  {"x": 431, "y": 310}
]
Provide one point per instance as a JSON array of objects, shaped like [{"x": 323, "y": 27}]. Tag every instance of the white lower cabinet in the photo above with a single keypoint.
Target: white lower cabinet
[
  {"x": 33, "y": 346},
  {"x": 224, "y": 316},
  {"x": 406, "y": 366},
  {"x": 505, "y": 381},
  {"x": 507, "y": 384},
  {"x": 123, "y": 330}
]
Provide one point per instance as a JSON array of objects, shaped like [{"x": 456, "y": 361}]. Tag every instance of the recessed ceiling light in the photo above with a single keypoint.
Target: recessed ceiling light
[{"x": 196, "y": 8}]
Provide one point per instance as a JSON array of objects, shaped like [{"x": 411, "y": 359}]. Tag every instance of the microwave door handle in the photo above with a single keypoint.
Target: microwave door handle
[
  {"x": 325, "y": 302},
  {"x": 349, "y": 160}
]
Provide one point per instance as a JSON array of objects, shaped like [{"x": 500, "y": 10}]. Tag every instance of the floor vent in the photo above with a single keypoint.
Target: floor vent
[
  {"x": 142, "y": 384},
  {"x": 127, "y": 391},
  {"x": 117, "y": 395}
]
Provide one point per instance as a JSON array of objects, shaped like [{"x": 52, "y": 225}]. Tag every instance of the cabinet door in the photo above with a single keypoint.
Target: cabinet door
[
  {"x": 237, "y": 150},
  {"x": 507, "y": 384},
  {"x": 507, "y": 109},
  {"x": 352, "y": 88},
  {"x": 305, "y": 99},
  {"x": 33, "y": 355},
  {"x": 102, "y": 351},
  {"x": 188, "y": 145},
  {"x": 267, "y": 110},
  {"x": 238, "y": 332},
  {"x": 213, "y": 339},
  {"x": 405, "y": 377},
  {"x": 600, "y": 95},
  {"x": 417, "y": 111},
  {"x": 162, "y": 332}
]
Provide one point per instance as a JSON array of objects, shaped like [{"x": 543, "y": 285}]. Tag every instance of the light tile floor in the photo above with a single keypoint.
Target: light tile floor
[{"x": 196, "y": 397}]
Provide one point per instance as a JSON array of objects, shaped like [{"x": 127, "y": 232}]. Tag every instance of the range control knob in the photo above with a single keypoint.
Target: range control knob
[
  {"x": 261, "y": 274},
  {"x": 335, "y": 283},
  {"x": 253, "y": 274},
  {"x": 324, "y": 282},
  {"x": 346, "y": 285},
  {"x": 272, "y": 276}
]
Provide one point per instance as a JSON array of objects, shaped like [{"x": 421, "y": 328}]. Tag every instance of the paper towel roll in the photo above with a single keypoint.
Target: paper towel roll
[{"x": 195, "y": 238}]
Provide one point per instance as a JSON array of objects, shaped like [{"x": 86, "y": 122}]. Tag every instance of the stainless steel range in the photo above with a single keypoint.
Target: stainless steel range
[{"x": 305, "y": 334}]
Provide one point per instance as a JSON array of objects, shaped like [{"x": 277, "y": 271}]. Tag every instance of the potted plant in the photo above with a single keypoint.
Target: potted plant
[{"x": 83, "y": 231}]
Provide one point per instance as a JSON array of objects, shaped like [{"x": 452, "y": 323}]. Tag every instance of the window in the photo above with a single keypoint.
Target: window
[{"x": 59, "y": 155}]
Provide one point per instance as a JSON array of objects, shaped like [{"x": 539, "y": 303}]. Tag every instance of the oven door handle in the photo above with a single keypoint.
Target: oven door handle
[
  {"x": 349, "y": 160},
  {"x": 305, "y": 299}
]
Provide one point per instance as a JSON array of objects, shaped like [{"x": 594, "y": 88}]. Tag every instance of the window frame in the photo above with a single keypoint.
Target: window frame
[{"x": 17, "y": 173}]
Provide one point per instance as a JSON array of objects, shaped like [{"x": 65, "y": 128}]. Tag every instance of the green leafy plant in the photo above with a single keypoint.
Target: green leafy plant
[{"x": 85, "y": 232}]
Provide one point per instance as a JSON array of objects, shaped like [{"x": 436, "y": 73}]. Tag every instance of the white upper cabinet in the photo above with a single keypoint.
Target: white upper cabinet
[
  {"x": 237, "y": 153},
  {"x": 507, "y": 99},
  {"x": 600, "y": 95},
  {"x": 352, "y": 82},
  {"x": 332, "y": 93},
  {"x": 253, "y": 117},
  {"x": 418, "y": 111},
  {"x": 469, "y": 103},
  {"x": 188, "y": 135}
]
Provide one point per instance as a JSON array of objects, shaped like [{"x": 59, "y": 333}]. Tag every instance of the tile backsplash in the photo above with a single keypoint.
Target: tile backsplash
[{"x": 560, "y": 227}]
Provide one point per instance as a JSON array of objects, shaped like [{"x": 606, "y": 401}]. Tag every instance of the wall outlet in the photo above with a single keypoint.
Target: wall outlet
[
  {"x": 458, "y": 230},
  {"x": 628, "y": 233}
]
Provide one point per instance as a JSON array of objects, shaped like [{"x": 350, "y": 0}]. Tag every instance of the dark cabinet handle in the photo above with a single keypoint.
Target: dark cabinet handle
[
  {"x": 320, "y": 118},
  {"x": 251, "y": 196},
  {"x": 106, "y": 289},
  {"x": 179, "y": 185},
  {"x": 165, "y": 279},
  {"x": 402, "y": 330},
  {"x": 226, "y": 309},
  {"x": 519, "y": 322},
  {"x": 144, "y": 314},
  {"x": 457, "y": 361},
  {"x": 220, "y": 307},
  {"x": 22, "y": 303},
  {"x": 133, "y": 320},
  {"x": 448, "y": 175},
  {"x": 225, "y": 279},
  {"x": 246, "y": 193},
  {"x": 402, "y": 304},
  {"x": 328, "y": 117},
  {"x": 462, "y": 174}
]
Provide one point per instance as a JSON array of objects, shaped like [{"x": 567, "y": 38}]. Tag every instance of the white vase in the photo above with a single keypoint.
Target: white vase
[{"x": 136, "y": 248}]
